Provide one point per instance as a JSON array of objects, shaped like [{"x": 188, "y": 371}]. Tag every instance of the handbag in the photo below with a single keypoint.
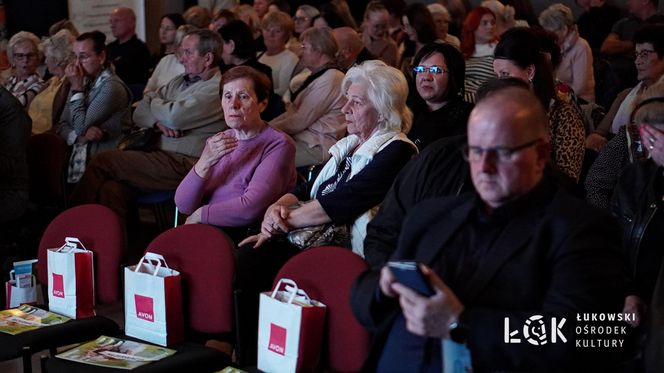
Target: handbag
[
  {"x": 139, "y": 139},
  {"x": 327, "y": 234}
]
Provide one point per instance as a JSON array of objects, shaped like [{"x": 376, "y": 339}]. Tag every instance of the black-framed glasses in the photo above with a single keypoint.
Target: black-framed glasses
[
  {"x": 498, "y": 153},
  {"x": 432, "y": 69},
  {"x": 643, "y": 54}
]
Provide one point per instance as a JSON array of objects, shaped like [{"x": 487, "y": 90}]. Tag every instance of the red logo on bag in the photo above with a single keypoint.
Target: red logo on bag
[
  {"x": 58, "y": 286},
  {"x": 144, "y": 307},
  {"x": 277, "y": 339}
]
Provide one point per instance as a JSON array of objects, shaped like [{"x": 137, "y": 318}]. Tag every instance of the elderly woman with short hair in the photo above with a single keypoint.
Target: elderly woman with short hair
[
  {"x": 314, "y": 118},
  {"x": 46, "y": 108},
  {"x": 576, "y": 66},
  {"x": 277, "y": 29},
  {"x": 244, "y": 169},
  {"x": 24, "y": 56},
  {"x": 350, "y": 186}
]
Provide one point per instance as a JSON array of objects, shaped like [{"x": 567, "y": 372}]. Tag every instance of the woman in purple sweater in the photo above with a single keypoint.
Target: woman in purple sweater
[{"x": 244, "y": 169}]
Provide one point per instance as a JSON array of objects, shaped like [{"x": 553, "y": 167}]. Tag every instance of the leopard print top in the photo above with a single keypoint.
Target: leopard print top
[{"x": 567, "y": 138}]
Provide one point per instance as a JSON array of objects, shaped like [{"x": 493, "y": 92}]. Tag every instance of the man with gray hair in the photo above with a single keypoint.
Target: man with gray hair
[
  {"x": 186, "y": 111},
  {"x": 517, "y": 247},
  {"x": 129, "y": 55}
]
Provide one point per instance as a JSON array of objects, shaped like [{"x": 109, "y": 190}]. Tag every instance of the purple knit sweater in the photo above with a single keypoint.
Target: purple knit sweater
[{"x": 241, "y": 186}]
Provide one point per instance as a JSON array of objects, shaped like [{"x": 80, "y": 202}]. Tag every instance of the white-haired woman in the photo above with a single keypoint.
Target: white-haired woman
[
  {"x": 46, "y": 108},
  {"x": 350, "y": 186},
  {"x": 576, "y": 66},
  {"x": 24, "y": 56}
]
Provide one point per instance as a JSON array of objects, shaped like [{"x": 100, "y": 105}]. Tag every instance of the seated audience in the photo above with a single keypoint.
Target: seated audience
[
  {"x": 437, "y": 101},
  {"x": 420, "y": 29},
  {"x": 197, "y": 16},
  {"x": 504, "y": 15},
  {"x": 596, "y": 21},
  {"x": 277, "y": 28},
  {"x": 261, "y": 8},
  {"x": 24, "y": 55},
  {"x": 374, "y": 34},
  {"x": 478, "y": 41},
  {"x": 304, "y": 16},
  {"x": 441, "y": 18},
  {"x": 169, "y": 66},
  {"x": 314, "y": 118},
  {"x": 98, "y": 107},
  {"x": 518, "y": 54},
  {"x": 613, "y": 155},
  {"x": 247, "y": 14},
  {"x": 636, "y": 203},
  {"x": 14, "y": 135},
  {"x": 64, "y": 24},
  {"x": 244, "y": 169},
  {"x": 576, "y": 66},
  {"x": 619, "y": 46},
  {"x": 168, "y": 27},
  {"x": 395, "y": 10},
  {"x": 239, "y": 49},
  {"x": 519, "y": 246},
  {"x": 46, "y": 108},
  {"x": 186, "y": 111},
  {"x": 347, "y": 191},
  {"x": 438, "y": 171},
  {"x": 221, "y": 18},
  {"x": 351, "y": 49},
  {"x": 129, "y": 55}
]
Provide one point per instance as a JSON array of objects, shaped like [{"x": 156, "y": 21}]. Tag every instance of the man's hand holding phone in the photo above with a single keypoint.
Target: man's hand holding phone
[{"x": 428, "y": 316}]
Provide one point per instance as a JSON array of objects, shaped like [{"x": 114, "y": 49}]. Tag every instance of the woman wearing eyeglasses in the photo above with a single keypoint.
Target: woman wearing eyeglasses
[
  {"x": 25, "y": 57},
  {"x": 613, "y": 155},
  {"x": 519, "y": 55},
  {"x": 437, "y": 101},
  {"x": 638, "y": 204},
  {"x": 98, "y": 106}
]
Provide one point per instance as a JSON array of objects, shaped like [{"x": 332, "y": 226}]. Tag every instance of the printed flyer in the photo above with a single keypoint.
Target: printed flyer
[{"x": 25, "y": 318}]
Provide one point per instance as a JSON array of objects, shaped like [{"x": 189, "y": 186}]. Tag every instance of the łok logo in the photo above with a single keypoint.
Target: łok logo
[
  {"x": 277, "y": 339},
  {"x": 144, "y": 307},
  {"x": 535, "y": 331},
  {"x": 58, "y": 286}
]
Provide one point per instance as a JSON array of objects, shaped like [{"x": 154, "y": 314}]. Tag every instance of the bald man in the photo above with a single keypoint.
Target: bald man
[
  {"x": 129, "y": 55},
  {"x": 351, "y": 48},
  {"x": 517, "y": 247}
]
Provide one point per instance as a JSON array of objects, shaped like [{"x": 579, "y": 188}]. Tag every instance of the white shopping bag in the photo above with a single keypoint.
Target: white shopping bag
[
  {"x": 290, "y": 329},
  {"x": 153, "y": 301},
  {"x": 17, "y": 295},
  {"x": 71, "y": 280}
]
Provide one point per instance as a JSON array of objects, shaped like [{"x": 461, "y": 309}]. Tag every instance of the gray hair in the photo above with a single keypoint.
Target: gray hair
[
  {"x": 309, "y": 10},
  {"x": 387, "y": 90},
  {"x": 22, "y": 37},
  {"x": 650, "y": 108},
  {"x": 208, "y": 42},
  {"x": 556, "y": 16},
  {"x": 182, "y": 31},
  {"x": 59, "y": 47},
  {"x": 504, "y": 12}
]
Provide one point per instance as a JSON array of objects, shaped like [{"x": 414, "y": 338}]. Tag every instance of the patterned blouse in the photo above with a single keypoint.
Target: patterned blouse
[
  {"x": 567, "y": 138},
  {"x": 20, "y": 89}
]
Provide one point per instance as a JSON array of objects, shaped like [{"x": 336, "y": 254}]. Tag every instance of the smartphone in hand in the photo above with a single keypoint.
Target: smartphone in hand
[{"x": 409, "y": 274}]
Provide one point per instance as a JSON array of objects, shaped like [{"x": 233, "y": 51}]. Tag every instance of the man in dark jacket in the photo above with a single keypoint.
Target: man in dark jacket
[{"x": 517, "y": 248}]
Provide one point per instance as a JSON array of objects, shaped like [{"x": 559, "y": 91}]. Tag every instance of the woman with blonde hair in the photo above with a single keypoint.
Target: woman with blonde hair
[{"x": 47, "y": 106}]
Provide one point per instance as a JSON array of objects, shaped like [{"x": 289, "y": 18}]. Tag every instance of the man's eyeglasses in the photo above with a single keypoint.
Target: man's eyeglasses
[
  {"x": 643, "y": 54},
  {"x": 27, "y": 56},
  {"x": 498, "y": 153},
  {"x": 432, "y": 69}
]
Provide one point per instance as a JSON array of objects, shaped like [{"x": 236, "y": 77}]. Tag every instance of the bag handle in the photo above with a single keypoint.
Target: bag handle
[
  {"x": 72, "y": 243},
  {"x": 152, "y": 258},
  {"x": 293, "y": 290}
]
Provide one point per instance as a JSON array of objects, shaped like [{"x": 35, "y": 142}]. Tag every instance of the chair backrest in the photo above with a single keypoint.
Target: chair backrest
[
  {"x": 48, "y": 154},
  {"x": 327, "y": 274},
  {"x": 204, "y": 257},
  {"x": 100, "y": 230}
]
